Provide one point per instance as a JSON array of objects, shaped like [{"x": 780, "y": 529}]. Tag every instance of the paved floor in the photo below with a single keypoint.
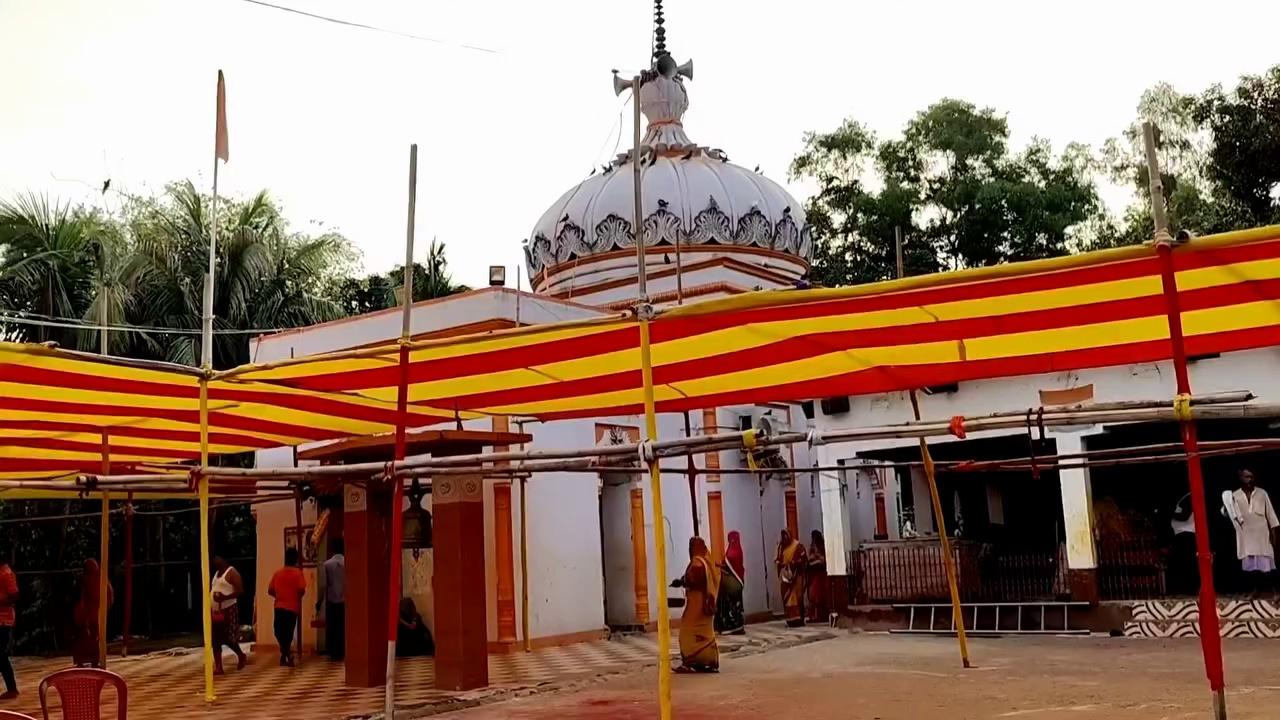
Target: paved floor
[
  {"x": 172, "y": 687},
  {"x": 895, "y": 677}
]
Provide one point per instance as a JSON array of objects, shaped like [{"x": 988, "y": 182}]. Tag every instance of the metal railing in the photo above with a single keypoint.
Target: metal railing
[{"x": 913, "y": 572}]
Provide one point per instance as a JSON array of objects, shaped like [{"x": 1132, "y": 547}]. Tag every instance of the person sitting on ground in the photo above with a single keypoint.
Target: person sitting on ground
[
  {"x": 287, "y": 586},
  {"x": 413, "y": 638}
]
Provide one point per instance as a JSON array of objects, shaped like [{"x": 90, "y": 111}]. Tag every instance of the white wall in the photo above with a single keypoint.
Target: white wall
[{"x": 427, "y": 316}]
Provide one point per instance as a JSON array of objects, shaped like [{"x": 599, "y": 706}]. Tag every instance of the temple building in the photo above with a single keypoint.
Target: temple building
[{"x": 711, "y": 229}]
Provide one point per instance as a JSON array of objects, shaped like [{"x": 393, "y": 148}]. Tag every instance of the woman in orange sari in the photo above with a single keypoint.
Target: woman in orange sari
[
  {"x": 790, "y": 562},
  {"x": 701, "y": 583}
]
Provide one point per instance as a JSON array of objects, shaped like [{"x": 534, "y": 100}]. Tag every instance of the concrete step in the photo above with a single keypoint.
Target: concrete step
[
  {"x": 1154, "y": 610},
  {"x": 1181, "y": 618},
  {"x": 1267, "y": 629}
]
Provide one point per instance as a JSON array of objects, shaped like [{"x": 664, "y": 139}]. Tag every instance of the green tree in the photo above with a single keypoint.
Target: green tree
[
  {"x": 951, "y": 183},
  {"x": 431, "y": 280},
  {"x": 1244, "y": 158},
  {"x": 267, "y": 276},
  {"x": 50, "y": 257}
]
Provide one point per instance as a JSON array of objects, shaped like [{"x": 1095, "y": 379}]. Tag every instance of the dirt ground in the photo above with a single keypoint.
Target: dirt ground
[{"x": 883, "y": 677}]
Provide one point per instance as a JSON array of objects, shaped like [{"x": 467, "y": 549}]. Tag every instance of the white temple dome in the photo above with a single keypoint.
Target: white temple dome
[{"x": 690, "y": 194}]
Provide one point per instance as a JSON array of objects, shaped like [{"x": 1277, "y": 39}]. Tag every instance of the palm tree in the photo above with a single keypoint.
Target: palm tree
[
  {"x": 49, "y": 258},
  {"x": 266, "y": 277}
]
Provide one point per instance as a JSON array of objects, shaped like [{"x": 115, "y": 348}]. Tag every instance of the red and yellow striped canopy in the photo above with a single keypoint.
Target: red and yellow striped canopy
[{"x": 1091, "y": 310}]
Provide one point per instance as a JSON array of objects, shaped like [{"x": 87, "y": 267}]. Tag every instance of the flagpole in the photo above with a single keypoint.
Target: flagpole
[{"x": 220, "y": 152}]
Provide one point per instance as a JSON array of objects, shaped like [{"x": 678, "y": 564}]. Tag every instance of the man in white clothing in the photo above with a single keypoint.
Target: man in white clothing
[{"x": 1256, "y": 523}]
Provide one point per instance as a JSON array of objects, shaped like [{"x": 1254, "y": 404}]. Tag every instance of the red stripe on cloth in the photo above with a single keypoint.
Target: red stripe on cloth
[
  {"x": 333, "y": 407},
  {"x": 216, "y": 419},
  {"x": 888, "y": 379},
  {"x": 129, "y": 431},
  {"x": 481, "y": 363},
  {"x": 46, "y": 443},
  {"x": 803, "y": 347}
]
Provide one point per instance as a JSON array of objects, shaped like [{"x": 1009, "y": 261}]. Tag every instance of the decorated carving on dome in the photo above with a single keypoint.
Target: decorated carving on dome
[
  {"x": 806, "y": 244},
  {"x": 614, "y": 232},
  {"x": 541, "y": 254},
  {"x": 663, "y": 227},
  {"x": 753, "y": 229},
  {"x": 711, "y": 225},
  {"x": 786, "y": 236},
  {"x": 572, "y": 242}
]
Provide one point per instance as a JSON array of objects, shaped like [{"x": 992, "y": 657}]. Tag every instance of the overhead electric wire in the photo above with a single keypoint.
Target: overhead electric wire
[
  {"x": 363, "y": 26},
  {"x": 72, "y": 323}
]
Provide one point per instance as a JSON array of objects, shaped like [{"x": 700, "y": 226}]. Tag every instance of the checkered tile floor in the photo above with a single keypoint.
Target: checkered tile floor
[{"x": 171, "y": 686}]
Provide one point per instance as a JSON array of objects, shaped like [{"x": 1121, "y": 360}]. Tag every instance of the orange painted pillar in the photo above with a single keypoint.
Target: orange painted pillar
[
  {"x": 458, "y": 583},
  {"x": 715, "y": 501},
  {"x": 639, "y": 556},
  {"x": 504, "y": 557},
  {"x": 504, "y": 553},
  {"x": 366, "y": 531}
]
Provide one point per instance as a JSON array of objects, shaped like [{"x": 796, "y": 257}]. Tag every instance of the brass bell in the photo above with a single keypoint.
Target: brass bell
[{"x": 416, "y": 534}]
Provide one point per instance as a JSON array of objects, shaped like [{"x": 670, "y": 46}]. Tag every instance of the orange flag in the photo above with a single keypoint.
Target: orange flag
[{"x": 220, "y": 142}]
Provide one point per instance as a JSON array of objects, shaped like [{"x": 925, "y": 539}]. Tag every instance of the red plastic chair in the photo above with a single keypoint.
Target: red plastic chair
[
  {"x": 80, "y": 693},
  {"x": 11, "y": 715}
]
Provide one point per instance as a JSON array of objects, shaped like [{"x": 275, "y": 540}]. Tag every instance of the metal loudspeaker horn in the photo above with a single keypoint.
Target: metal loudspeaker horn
[
  {"x": 620, "y": 84},
  {"x": 685, "y": 69}
]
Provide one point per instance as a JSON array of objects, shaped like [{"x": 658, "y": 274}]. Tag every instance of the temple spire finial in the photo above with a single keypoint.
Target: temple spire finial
[{"x": 659, "y": 32}]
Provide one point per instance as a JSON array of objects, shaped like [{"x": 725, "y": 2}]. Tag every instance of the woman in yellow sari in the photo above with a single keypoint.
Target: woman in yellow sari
[
  {"x": 791, "y": 566},
  {"x": 701, "y": 583}
]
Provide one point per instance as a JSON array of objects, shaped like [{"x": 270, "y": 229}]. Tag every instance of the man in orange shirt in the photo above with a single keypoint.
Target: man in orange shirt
[
  {"x": 8, "y": 617},
  {"x": 288, "y": 586}
]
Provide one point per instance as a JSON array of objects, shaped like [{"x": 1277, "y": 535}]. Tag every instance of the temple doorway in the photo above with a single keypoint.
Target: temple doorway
[{"x": 617, "y": 552}]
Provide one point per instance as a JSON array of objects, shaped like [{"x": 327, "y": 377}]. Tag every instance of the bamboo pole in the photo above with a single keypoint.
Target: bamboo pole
[
  {"x": 104, "y": 549},
  {"x": 1210, "y": 640},
  {"x": 402, "y": 413},
  {"x": 302, "y": 558},
  {"x": 128, "y": 574},
  {"x": 671, "y": 448},
  {"x": 205, "y": 600},
  {"x": 524, "y": 567}
]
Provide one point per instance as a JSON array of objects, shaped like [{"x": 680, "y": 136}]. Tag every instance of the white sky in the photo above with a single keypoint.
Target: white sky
[{"x": 322, "y": 115}]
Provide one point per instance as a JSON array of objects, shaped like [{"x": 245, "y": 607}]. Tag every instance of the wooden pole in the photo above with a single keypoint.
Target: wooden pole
[
  {"x": 1210, "y": 640},
  {"x": 897, "y": 247},
  {"x": 104, "y": 548},
  {"x": 930, "y": 473},
  {"x": 206, "y": 601},
  {"x": 643, "y": 310},
  {"x": 524, "y": 567},
  {"x": 637, "y": 224},
  {"x": 948, "y": 562},
  {"x": 302, "y": 556},
  {"x": 128, "y": 574},
  {"x": 402, "y": 417}
]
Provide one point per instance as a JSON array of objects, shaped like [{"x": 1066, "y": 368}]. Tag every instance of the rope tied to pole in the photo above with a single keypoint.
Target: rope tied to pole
[
  {"x": 956, "y": 426},
  {"x": 1182, "y": 407},
  {"x": 749, "y": 443}
]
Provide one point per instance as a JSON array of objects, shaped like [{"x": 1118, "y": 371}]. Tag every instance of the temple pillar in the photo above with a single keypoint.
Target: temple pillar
[
  {"x": 1077, "y": 517},
  {"x": 715, "y": 500},
  {"x": 458, "y": 583},
  {"x": 504, "y": 553},
  {"x": 366, "y": 533},
  {"x": 639, "y": 556},
  {"x": 504, "y": 557}
]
